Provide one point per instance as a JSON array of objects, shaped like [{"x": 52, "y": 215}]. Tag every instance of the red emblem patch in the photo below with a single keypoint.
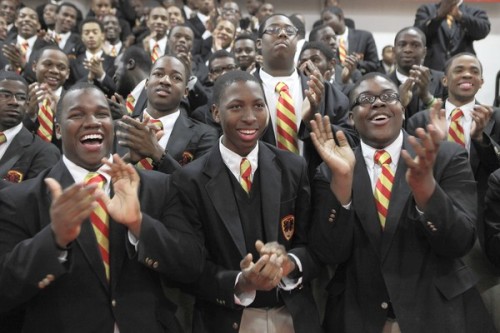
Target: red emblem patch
[
  {"x": 14, "y": 176},
  {"x": 288, "y": 226},
  {"x": 186, "y": 158}
]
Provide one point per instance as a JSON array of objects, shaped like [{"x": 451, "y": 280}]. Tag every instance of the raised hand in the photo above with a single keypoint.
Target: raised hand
[
  {"x": 481, "y": 115},
  {"x": 438, "y": 119}
]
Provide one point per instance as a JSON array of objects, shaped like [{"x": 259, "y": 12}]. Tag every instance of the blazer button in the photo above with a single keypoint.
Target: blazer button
[
  {"x": 384, "y": 305},
  {"x": 235, "y": 326},
  {"x": 155, "y": 264},
  {"x": 113, "y": 303}
]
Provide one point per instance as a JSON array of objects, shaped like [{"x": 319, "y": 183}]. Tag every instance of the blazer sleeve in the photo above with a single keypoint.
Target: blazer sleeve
[
  {"x": 492, "y": 219},
  {"x": 426, "y": 20},
  {"x": 370, "y": 56},
  {"x": 475, "y": 23}
]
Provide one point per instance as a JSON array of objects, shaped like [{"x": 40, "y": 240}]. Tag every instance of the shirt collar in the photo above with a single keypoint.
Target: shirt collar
[
  {"x": 233, "y": 160},
  {"x": 466, "y": 109},
  {"x": 11, "y": 133},
  {"x": 394, "y": 149},
  {"x": 78, "y": 173}
]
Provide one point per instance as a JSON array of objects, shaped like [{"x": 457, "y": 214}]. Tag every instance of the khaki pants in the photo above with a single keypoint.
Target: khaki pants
[
  {"x": 275, "y": 320},
  {"x": 391, "y": 326}
]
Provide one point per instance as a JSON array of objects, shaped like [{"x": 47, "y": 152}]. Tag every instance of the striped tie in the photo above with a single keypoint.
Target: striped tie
[
  {"x": 113, "y": 52},
  {"x": 129, "y": 104},
  {"x": 286, "y": 120},
  {"x": 456, "y": 131},
  {"x": 147, "y": 163},
  {"x": 100, "y": 221},
  {"x": 46, "y": 121},
  {"x": 3, "y": 138},
  {"x": 449, "y": 21},
  {"x": 245, "y": 173},
  {"x": 155, "y": 53},
  {"x": 24, "y": 50},
  {"x": 342, "y": 50},
  {"x": 383, "y": 187}
]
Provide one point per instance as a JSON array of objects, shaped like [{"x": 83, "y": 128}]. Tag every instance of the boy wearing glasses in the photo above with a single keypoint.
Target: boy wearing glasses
[
  {"x": 22, "y": 154},
  {"x": 396, "y": 216}
]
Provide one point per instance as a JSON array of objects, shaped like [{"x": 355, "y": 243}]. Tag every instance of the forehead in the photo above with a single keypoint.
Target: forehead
[
  {"x": 326, "y": 31},
  {"x": 169, "y": 63},
  {"x": 222, "y": 62},
  {"x": 174, "y": 10},
  {"x": 7, "y": 3},
  {"x": 79, "y": 99},
  {"x": 110, "y": 18},
  {"x": 407, "y": 35},
  {"x": 225, "y": 24},
  {"x": 238, "y": 89},
  {"x": 266, "y": 6},
  {"x": 311, "y": 52},
  {"x": 56, "y": 55},
  {"x": 179, "y": 29},
  {"x": 158, "y": 11},
  {"x": 13, "y": 85},
  {"x": 232, "y": 5},
  {"x": 101, "y": 2},
  {"x": 91, "y": 26},
  {"x": 278, "y": 20},
  {"x": 375, "y": 85},
  {"x": 28, "y": 11},
  {"x": 67, "y": 9},
  {"x": 465, "y": 61},
  {"x": 247, "y": 42}
]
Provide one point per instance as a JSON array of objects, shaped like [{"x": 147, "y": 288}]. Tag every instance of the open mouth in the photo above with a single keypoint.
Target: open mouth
[
  {"x": 379, "y": 119},
  {"x": 248, "y": 134},
  {"x": 465, "y": 85},
  {"x": 92, "y": 140}
]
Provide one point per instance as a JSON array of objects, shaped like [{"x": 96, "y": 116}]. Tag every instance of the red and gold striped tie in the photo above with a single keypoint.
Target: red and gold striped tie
[
  {"x": 24, "y": 49},
  {"x": 155, "y": 53},
  {"x": 456, "y": 131},
  {"x": 46, "y": 121},
  {"x": 286, "y": 120},
  {"x": 3, "y": 138},
  {"x": 449, "y": 21},
  {"x": 113, "y": 52},
  {"x": 129, "y": 104},
  {"x": 147, "y": 163},
  {"x": 383, "y": 186},
  {"x": 245, "y": 174},
  {"x": 100, "y": 221},
  {"x": 342, "y": 50}
]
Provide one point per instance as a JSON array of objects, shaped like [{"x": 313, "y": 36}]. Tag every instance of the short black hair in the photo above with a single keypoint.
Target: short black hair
[
  {"x": 369, "y": 76},
  {"x": 299, "y": 25},
  {"x": 386, "y": 47},
  {"x": 448, "y": 62},
  {"x": 187, "y": 71},
  {"x": 91, "y": 20},
  {"x": 244, "y": 35},
  {"x": 38, "y": 53},
  {"x": 184, "y": 25},
  {"x": 262, "y": 26},
  {"x": 66, "y": 4},
  {"x": 229, "y": 78},
  {"x": 12, "y": 76},
  {"x": 320, "y": 46},
  {"x": 141, "y": 57},
  {"x": 219, "y": 54},
  {"x": 77, "y": 86},
  {"x": 335, "y": 10},
  {"x": 417, "y": 30}
]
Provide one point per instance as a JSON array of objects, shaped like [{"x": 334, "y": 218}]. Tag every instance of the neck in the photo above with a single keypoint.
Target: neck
[
  {"x": 155, "y": 113},
  {"x": 278, "y": 71},
  {"x": 403, "y": 71},
  {"x": 460, "y": 101}
]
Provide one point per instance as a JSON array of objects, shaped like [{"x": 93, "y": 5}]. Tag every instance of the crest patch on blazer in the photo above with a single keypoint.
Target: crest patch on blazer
[
  {"x": 14, "y": 176},
  {"x": 187, "y": 157},
  {"x": 288, "y": 226}
]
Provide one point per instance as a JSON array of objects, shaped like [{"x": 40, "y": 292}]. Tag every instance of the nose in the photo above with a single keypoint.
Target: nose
[
  {"x": 248, "y": 116},
  {"x": 166, "y": 79},
  {"x": 91, "y": 121}
]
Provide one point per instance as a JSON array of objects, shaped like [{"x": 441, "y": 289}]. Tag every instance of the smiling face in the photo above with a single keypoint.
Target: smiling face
[
  {"x": 85, "y": 127},
  {"x": 166, "y": 86},
  {"x": 27, "y": 22},
  {"x": 112, "y": 28},
  {"x": 158, "y": 22},
  {"x": 174, "y": 16},
  {"x": 380, "y": 123},
  {"x": 463, "y": 79},
  {"x": 66, "y": 19},
  {"x": 52, "y": 68},
  {"x": 409, "y": 50},
  {"x": 243, "y": 116},
  {"x": 12, "y": 109},
  {"x": 224, "y": 32},
  {"x": 244, "y": 51}
]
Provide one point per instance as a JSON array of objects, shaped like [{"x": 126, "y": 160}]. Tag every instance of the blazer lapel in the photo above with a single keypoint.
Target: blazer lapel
[
  {"x": 180, "y": 137},
  {"x": 363, "y": 197},
  {"x": 221, "y": 195},
  {"x": 117, "y": 251},
  {"x": 399, "y": 197},
  {"x": 141, "y": 104},
  {"x": 270, "y": 175},
  {"x": 21, "y": 140}
]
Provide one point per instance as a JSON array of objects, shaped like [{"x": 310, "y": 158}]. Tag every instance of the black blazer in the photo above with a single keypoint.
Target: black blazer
[
  {"x": 361, "y": 41},
  {"x": 443, "y": 42},
  {"x": 27, "y": 156},
  {"x": 80, "y": 73},
  {"x": 414, "y": 266},
  {"x": 206, "y": 193},
  {"x": 79, "y": 299}
]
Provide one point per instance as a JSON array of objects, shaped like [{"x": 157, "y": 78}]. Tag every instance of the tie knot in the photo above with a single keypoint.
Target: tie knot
[
  {"x": 130, "y": 98},
  {"x": 245, "y": 168},
  {"x": 456, "y": 114},
  {"x": 281, "y": 86},
  {"x": 95, "y": 178},
  {"x": 156, "y": 123},
  {"x": 3, "y": 138},
  {"x": 382, "y": 157}
]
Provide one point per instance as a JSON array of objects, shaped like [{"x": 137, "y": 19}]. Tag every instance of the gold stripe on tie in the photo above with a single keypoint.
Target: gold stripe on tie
[
  {"x": 286, "y": 120},
  {"x": 3, "y": 138},
  {"x": 342, "y": 50},
  {"x": 449, "y": 21},
  {"x": 383, "y": 186},
  {"x": 147, "y": 163},
  {"x": 456, "y": 131},
  {"x": 155, "y": 53},
  {"x": 129, "y": 104},
  {"x": 245, "y": 174},
  {"x": 100, "y": 221},
  {"x": 46, "y": 121}
]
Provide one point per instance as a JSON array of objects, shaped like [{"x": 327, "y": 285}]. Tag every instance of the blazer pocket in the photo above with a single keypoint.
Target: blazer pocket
[{"x": 456, "y": 282}]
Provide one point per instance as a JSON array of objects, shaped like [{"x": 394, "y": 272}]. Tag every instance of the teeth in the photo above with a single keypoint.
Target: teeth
[
  {"x": 248, "y": 131},
  {"x": 92, "y": 137}
]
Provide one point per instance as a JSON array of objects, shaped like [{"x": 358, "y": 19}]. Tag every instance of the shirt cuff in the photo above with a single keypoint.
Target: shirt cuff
[
  {"x": 133, "y": 240},
  {"x": 245, "y": 299},
  {"x": 287, "y": 283},
  {"x": 62, "y": 257},
  {"x": 347, "y": 206}
]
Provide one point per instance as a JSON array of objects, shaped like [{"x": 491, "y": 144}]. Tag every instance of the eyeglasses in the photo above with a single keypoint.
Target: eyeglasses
[
  {"x": 368, "y": 99},
  {"x": 229, "y": 10},
  {"x": 220, "y": 70},
  {"x": 275, "y": 30},
  {"x": 6, "y": 95}
]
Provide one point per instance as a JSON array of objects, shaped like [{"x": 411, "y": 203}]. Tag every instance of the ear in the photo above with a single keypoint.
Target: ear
[
  {"x": 425, "y": 53},
  {"x": 130, "y": 65},
  {"x": 186, "y": 92},
  {"x": 258, "y": 44},
  {"x": 33, "y": 67},
  {"x": 215, "y": 113},
  {"x": 444, "y": 81},
  {"x": 146, "y": 84},
  {"x": 58, "y": 131}
]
